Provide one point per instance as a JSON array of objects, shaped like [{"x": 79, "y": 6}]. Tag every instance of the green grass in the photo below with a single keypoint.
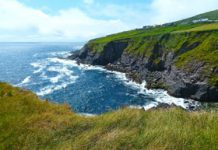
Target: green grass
[
  {"x": 27, "y": 122},
  {"x": 206, "y": 27},
  {"x": 214, "y": 80},
  {"x": 206, "y": 52},
  {"x": 140, "y": 33}
]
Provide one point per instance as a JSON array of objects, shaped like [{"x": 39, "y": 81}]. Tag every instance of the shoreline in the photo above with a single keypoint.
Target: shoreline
[{"x": 187, "y": 104}]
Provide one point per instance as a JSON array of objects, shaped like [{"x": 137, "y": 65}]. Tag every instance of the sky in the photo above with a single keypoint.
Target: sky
[{"x": 82, "y": 20}]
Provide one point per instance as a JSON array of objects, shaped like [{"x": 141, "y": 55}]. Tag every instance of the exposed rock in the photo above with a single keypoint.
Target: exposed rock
[{"x": 158, "y": 69}]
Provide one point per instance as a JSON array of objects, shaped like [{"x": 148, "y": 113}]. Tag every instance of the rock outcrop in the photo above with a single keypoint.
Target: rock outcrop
[{"x": 160, "y": 69}]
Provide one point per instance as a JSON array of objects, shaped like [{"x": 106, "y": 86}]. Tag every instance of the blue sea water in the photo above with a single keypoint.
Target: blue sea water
[{"x": 41, "y": 68}]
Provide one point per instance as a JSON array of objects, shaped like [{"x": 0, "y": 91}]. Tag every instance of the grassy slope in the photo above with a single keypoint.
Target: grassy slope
[
  {"x": 29, "y": 123},
  {"x": 206, "y": 27},
  {"x": 181, "y": 25},
  {"x": 185, "y": 25},
  {"x": 140, "y": 33}
]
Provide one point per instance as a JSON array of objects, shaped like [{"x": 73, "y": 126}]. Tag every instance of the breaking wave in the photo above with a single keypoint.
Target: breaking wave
[
  {"x": 63, "y": 74},
  {"x": 160, "y": 96},
  {"x": 25, "y": 81}
]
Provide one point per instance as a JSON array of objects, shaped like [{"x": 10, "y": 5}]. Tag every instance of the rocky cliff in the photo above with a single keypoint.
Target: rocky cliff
[
  {"x": 185, "y": 64},
  {"x": 181, "y": 58}
]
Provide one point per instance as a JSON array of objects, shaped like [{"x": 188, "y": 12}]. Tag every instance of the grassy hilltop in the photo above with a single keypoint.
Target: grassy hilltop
[
  {"x": 191, "y": 24},
  {"x": 26, "y": 122},
  {"x": 192, "y": 40}
]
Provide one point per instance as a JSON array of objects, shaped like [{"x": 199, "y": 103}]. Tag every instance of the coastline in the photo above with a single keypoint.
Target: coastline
[
  {"x": 165, "y": 100},
  {"x": 182, "y": 63}
]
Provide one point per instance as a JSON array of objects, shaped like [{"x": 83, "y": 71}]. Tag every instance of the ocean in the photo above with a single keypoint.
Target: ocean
[{"x": 44, "y": 69}]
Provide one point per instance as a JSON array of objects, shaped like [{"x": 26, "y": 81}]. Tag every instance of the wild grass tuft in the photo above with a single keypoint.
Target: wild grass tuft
[{"x": 26, "y": 122}]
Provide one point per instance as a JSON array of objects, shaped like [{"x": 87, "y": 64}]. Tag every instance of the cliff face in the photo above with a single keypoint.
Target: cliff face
[
  {"x": 111, "y": 53},
  {"x": 185, "y": 64}
]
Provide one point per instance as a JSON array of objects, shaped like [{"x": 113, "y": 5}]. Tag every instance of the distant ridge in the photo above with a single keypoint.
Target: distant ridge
[{"x": 211, "y": 16}]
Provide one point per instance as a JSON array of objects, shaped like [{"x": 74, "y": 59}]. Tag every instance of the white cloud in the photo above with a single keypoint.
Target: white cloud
[
  {"x": 134, "y": 16},
  {"x": 22, "y": 23},
  {"x": 163, "y": 11}
]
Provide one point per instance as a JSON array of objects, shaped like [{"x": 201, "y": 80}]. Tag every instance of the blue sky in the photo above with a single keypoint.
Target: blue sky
[
  {"x": 53, "y": 6},
  {"x": 81, "y": 20}
]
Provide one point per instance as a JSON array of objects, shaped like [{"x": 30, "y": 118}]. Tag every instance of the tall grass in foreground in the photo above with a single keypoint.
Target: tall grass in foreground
[{"x": 29, "y": 123}]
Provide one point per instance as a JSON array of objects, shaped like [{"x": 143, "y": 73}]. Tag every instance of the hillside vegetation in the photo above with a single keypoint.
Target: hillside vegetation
[
  {"x": 192, "y": 41},
  {"x": 186, "y": 25},
  {"x": 26, "y": 122}
]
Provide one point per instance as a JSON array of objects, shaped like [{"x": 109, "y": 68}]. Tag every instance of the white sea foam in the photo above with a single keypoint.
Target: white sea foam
[
  {"x": 151, "y": 105},
  {"x": 60, "y": 53},
  {"x": 61, "y": 61},
  {"x": 25, "y": 81},
  {"x": 35, "y": 65},
  {"x": 60, "y": 69},
  {"x": 56, "y": 79},
  {"x": 38, "y": 70},
  {"x": 90, "y": 67},
  {"x": 43, "y": 76},
  {"x": 49, "y": 89},
  {"x": 65, "y": 75},
  {"x": 73, "y": 63},
  {"x": 40, "y": 66},
  {"x": 55, "y": 87},
  {"x": 135, "y": 107},
  {"x": 160, "y": 96}
]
